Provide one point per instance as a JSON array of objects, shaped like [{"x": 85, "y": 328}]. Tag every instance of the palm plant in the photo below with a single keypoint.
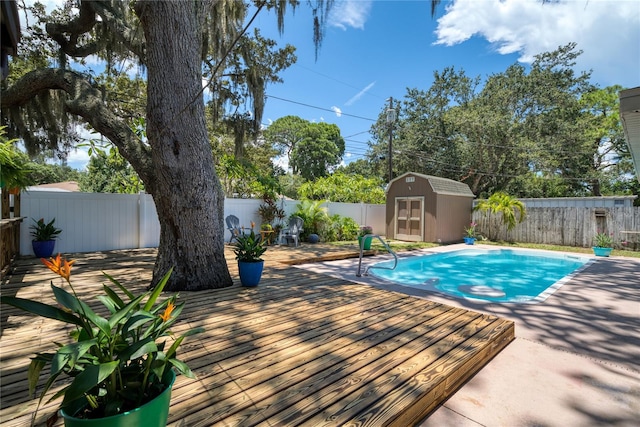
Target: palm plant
[
  {"x": 313, "y": 214},
  {"x": 512, "y": 210}
]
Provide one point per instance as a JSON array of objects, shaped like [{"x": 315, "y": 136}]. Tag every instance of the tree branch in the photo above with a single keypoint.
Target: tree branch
[
  {"x": 84, "y": 101},
  {"x": 68, "y": 34}
]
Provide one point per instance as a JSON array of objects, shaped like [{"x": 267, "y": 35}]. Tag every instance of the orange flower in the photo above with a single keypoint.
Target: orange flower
[
  {"x": 167, "y": 312},
  {"x": 60, "y": 266}
]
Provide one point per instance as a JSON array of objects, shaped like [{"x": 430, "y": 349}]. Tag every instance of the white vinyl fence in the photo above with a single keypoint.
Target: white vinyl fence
[{"x": 99, "y": 222}]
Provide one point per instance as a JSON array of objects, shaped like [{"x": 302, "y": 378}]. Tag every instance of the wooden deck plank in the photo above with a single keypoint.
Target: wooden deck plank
[
  {"x": 300, "y": 349},
  {"x": 316, "y": 357}
]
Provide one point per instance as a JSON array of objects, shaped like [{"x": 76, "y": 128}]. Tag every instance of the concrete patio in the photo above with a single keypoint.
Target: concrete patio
[{"x": 574, "y": 361}]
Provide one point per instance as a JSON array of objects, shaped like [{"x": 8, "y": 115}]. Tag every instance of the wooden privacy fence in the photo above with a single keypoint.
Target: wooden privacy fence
[{"x": 566, "y": 226}]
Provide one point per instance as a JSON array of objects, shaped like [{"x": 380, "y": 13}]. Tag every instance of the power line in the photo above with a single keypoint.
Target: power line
[
  {"x": 336, "y": 80},
  {"x": 320, "y": 108}
]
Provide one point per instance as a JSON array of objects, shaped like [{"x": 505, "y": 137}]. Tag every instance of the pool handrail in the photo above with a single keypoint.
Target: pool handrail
[{"x": 387, "y": 247}]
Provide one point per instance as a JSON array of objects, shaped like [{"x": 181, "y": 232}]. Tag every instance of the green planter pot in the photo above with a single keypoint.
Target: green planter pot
[
  {"x": 152, "y": 414},
  {"x": 367, "y": 243},
  {"x": 598, "y": 251}
]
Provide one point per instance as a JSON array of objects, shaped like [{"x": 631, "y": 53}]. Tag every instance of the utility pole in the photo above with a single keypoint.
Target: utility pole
[{"x": 391, "y": 117}]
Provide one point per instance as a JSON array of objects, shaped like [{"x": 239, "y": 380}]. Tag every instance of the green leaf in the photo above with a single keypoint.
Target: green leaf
[
  {"x": 182, "y": 367},
  {"x": 33, "y": 375},
  {"x": 158, "y": 289},
  {"x": 122, "y": 288},
  {"x": 108, "y": 302},
  {"x": 140, "y": 348},
  {"x": 138, "y": 319},
  {"x": 124, "y": 312},
  {"x": 174, "y": 347},
  {"x": 113, "y": 296},
  {"x": 87, "y": 379},
  {"x": 69, "y": 354},
  {"x": 41, "y": 309}
]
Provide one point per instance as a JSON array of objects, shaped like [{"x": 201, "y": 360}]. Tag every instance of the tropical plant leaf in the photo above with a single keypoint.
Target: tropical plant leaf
[
  {"x": 158, "y": 289},
  {"x": 122, "y": 288},
  {"x": 121, "y": 314},
  {"x": 69, "y": 354},
  {"x": 115, "y": 298},
  {"x": 138, "y": 349},
  {"x": 87, "y": 379},
  {"x": 33, "y": 374},
  {"x": 41, "y": 309},
  {"x": 182, "y": 367}
]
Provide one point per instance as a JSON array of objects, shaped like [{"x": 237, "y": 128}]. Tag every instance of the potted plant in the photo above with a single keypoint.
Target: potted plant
[
  {"x": 266, "y": 233},
  {"x": 44, "y": 237},
  {"x": 248, "y": 249},
  {"x": 470, "y": 234},
  {"x": 603, "y": 244},
  {"x": 365, "y": 242},
  {"x": 121, "y": 365}
]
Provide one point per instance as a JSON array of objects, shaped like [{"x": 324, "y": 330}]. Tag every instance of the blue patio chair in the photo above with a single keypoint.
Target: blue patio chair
[{"x": 233, "y": 225}]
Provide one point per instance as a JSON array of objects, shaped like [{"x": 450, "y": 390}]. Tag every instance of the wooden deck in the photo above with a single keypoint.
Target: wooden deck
[{"x": 300, "y": 349}]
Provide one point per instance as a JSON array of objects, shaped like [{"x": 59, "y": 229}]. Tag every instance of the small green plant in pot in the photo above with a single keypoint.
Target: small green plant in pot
[
  {"x": 120, "y": 364},
  {"x": 44, "y": 236},
  {"x": 364, "y": 231},
  {"x": 603, "y": 244},
  {"x": 249, "y": 249}
]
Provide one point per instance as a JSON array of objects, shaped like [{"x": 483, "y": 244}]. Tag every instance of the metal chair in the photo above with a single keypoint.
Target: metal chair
[
  {"x": 292, "y": 232},
  {"x": 233, "y": 225}
]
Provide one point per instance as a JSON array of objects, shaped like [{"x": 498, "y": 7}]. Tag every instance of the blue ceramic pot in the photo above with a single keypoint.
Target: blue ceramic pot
[
  {"x": 469, "y": 240},
  {"x": 313, "y": 238},
  {"x": 43, "y": 248},
  {"x": 250, "y": 272}
]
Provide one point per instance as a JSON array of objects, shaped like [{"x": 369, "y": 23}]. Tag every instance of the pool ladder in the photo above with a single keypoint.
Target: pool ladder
[{"x": 385, "y": 244}]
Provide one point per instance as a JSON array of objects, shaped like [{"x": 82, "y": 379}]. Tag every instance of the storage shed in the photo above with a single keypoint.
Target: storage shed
[{"x": 424, "y": 208}]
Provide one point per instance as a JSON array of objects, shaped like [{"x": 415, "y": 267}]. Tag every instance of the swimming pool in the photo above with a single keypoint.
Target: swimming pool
[{"x": 500, "y": 275}]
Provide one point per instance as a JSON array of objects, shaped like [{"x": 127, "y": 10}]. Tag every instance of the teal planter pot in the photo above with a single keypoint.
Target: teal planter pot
[
  {"x": 43, "y": 248},
  {"x": 469, "y": 240},
  {"x": 250, "y": 272},
  {"x": 367, "y": 243},
  {"x": 598, "y": 251},
  {"x": 152, "y": 414}
]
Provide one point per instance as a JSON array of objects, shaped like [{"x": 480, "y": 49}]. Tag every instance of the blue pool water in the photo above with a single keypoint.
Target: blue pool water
[{"x": 502, "y": 275}]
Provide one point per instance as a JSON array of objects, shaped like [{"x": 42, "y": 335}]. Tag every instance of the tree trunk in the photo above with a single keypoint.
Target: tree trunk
[{"x": 187, "y": 193}]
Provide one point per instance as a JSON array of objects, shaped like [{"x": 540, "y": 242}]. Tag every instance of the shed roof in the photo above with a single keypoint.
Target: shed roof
[{"x": 440, "y": 185}]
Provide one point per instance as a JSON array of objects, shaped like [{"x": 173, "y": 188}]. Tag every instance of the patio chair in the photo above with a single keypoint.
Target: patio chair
[
  {"x": 292, "y": 232},
  {"x": 233, "y": 225}
]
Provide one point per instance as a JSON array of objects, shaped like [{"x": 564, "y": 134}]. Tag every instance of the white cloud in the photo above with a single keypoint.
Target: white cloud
[
  {"x": 350, "y": 14},
  {"x": 78, "y": 158},
  {"x": 606, "y": 30},
  {"x": 359, "y": 94},
  {"x": 336, "y": 110}
]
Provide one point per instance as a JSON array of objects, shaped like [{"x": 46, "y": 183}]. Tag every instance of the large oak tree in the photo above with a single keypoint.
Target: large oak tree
[{"x": 178, "y": 43}]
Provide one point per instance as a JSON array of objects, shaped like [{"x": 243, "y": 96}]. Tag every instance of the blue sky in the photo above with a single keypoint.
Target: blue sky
[{"x": 374, "y": 50}]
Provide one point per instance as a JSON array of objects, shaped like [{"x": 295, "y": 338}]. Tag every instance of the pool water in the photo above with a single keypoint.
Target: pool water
[{"x": 502, "y": 275}]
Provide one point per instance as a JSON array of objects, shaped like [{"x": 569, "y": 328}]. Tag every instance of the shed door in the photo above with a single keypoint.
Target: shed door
[{"x": 409, "y": 218}]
